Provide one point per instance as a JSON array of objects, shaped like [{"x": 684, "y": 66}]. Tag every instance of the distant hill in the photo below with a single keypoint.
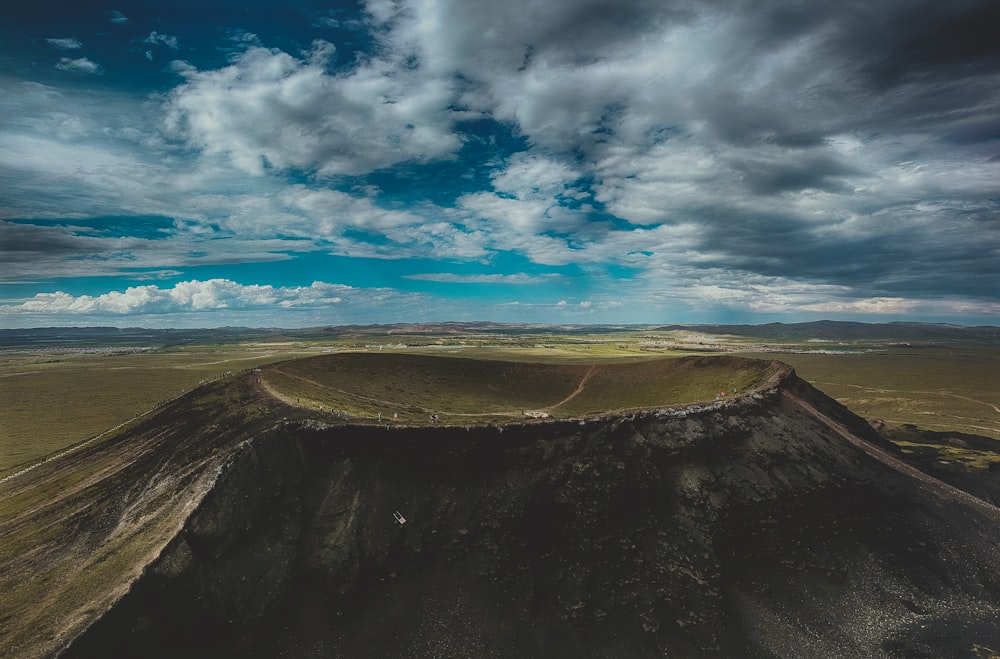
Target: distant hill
[
  {"x": 84, "y": 337},
  {"x": 843, "y": 330}
]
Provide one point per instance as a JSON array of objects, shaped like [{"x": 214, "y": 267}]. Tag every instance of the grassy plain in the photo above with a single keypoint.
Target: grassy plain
[
  {"x": 51, "y": 399},
  {"x": 462, "y": 390},
  {"x": 934, "y": 388}
]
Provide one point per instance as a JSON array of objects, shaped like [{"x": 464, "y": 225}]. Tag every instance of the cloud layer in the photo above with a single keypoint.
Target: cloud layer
[
  {"x": 201, "y": 303},
  {"x": 779, "y": 160}
]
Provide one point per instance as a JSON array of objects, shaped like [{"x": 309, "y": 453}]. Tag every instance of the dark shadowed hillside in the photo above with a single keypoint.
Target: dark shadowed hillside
[{"x": 774, "y": 524}]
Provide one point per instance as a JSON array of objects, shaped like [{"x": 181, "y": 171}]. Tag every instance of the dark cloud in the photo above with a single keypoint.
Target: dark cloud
[
  {"x": 27, "y": 242},
  {"x": 889, "y": 254},
  {"x": 792, "y": 172},
  {"x": 917, "y": 40},
  {"x": 38, "y": 252}
]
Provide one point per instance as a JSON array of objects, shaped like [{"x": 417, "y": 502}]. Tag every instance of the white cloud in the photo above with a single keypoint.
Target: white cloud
[
  {"x": 162, "y": 39},
  {"x": 881, "y": 306},
  {"x": 79, "y": 65},
  {"x": 327, "y": 210},
  {"x": 70, "y": 43},
  {"x": 188, "y": 296},
  {"x": 523, "y": 215},
  {"x": 270, "y": 110},
  {"x": 118, "y": 18},
  {"x": 531, "y": 176},
  {"x": 219, "y": 302},
  {"x": 868, "y": 306},
  {"x": 745, "y": 176}
]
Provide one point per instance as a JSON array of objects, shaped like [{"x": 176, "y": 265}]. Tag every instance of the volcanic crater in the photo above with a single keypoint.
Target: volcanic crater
[{"x": 682, "y": 507}]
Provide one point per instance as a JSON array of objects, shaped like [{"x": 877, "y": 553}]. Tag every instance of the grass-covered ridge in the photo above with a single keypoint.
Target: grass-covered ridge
[{"x": 461, "y": 390}]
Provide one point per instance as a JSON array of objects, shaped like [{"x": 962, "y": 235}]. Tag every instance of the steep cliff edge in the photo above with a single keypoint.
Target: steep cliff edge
[{"x": 773, "y": 524}]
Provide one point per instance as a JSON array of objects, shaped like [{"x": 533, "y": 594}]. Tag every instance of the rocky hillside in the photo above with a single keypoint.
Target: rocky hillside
[{"x": 773, "y": 524}]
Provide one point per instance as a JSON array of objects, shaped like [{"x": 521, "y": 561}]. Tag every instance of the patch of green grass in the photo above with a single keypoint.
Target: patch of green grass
[
  {"x": 413, "y": 386},
  {"x": 52, "y": 401},
  {"x": 946, "y": 389},
  {"x": 467, "y": 390},
  {"x": 968, "y": 457},
  {"x": 667, "y": 382}
]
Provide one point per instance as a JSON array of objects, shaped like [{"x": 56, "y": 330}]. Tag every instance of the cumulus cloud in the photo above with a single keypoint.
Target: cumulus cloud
[
  {"x": 214, "y": 302},
  {"x": 118, "y": 17},
  {"x": 271, "y": 110},
  {"x": 79, "y": 65},
  {"x": 193, "y": 296},
  {"x": 768, "y": 159},
  {"x": 70, "y": 43}
]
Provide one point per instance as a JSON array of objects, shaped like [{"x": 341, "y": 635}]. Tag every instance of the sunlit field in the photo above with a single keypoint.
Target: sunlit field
[
  {"x": 940, "y": 389},
  {"x": 52, "y": 399}
]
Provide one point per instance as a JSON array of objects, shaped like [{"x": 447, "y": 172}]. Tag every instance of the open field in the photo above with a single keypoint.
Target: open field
[
  {"x": 939, "y": 389},
  {"x": 53, "y": 398},
  {"x": 461, "y": 390}
]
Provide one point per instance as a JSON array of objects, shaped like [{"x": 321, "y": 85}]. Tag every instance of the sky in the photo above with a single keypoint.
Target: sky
[{"x": 298, "y": 163}]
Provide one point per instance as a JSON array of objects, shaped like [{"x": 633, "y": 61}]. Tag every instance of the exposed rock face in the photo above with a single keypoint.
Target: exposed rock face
[{"x": 777, "y": 524}]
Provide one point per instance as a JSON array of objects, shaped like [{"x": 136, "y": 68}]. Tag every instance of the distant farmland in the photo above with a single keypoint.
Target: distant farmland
[{"x": 55, "y": 397}]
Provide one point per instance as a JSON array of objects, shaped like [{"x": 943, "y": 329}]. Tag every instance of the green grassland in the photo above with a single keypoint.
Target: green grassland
[
  {"x": 461, "y": 390},
  {"x": 53, "y": 400},
  {"x": 935, "y": 388}
]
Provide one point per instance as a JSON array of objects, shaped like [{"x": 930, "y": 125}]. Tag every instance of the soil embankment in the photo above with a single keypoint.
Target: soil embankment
[{"x": 772, "y": 524}]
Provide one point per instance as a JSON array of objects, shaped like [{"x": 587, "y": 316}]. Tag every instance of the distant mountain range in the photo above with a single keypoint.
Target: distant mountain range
[
  {"x": 845, "y": 330},
  {"x": 83, "y": 337}
]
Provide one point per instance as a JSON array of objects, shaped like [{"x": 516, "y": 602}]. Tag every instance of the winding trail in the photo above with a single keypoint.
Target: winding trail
[
  {"x": 389, "y": 403},
  {"x": 896, "y": 463},
  {"x": 578, "y": 390}
]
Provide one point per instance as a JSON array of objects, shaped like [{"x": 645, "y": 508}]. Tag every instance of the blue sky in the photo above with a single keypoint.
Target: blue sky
[{"x": 581, "y": 161}]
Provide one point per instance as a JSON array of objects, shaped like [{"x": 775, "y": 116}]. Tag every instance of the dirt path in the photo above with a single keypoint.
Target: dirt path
[
  {"x": 995, "y": 408},
  {"x": 973, "y": 400},
  {"x": 899, "y": 465},
  {"x": 578, "y": 390}
]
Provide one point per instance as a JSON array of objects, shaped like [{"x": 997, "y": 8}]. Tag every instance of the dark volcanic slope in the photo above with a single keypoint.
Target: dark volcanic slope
[{"x": 774, "y": 524}]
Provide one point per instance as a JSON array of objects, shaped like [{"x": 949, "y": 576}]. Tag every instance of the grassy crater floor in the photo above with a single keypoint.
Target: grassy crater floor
[{"x": 409, "y": 388}]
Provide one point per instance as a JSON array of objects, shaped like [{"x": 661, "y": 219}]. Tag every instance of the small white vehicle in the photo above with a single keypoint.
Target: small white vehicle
[{"x": 399, "y": 518}]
